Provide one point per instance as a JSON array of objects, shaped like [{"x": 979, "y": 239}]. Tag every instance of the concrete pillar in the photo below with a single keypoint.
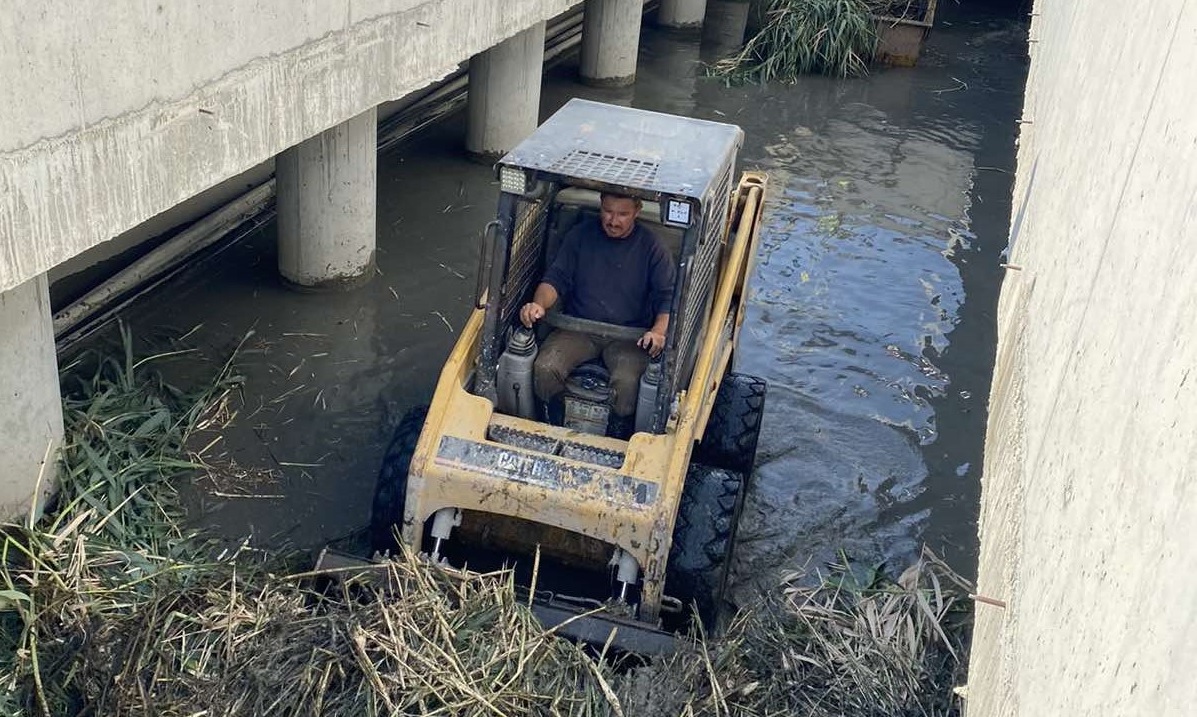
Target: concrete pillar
[
  {"x": 30, "y": 401},
  {"x": 327, "y": 196},
  {"x": 504, "y": 97},
  {"x": 610, "y": 41},
  {"x": 724, "y": 26},
  {"x": 681, "y": 14}
]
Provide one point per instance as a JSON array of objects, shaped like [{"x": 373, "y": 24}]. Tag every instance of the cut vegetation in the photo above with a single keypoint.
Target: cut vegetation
[{"x": 110, "y": 609}]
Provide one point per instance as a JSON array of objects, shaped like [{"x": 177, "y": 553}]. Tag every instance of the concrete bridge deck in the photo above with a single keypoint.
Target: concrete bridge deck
[
  {"x": 117, "y": 112},
  {"x": 102, "y": 131}
]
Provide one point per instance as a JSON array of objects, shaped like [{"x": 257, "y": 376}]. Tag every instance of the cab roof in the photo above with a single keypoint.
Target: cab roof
[{"x": 650, "y": 152}]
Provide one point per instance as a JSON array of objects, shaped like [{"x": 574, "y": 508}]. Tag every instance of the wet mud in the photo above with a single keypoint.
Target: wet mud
[{"x": 871, "y": 318}]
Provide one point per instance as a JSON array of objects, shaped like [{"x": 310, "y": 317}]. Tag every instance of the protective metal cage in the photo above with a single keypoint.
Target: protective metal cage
[
  {"x": 606, "y": 167},
  {"x": 647, "y": 155},
  {"x": 699, "y": 286},
  {"x": 524, "y": 266}
]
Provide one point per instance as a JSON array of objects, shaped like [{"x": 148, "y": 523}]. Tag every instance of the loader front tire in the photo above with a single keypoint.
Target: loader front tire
[
  {"x": 390, "y": 493},
  {"x": 734, "y": 427},
  {"x": 703, "y": 537}
]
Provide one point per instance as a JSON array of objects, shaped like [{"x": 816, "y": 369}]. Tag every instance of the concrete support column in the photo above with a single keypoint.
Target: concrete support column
[
  {"x": 610, "y": 41},
  {"x": 724, "y": 25},
  {"x": 681, "y": 14},
  {"x": 30, "y": 401},
  {"x": 327, "y": 197},
  {"x": 504, "y": 98}
]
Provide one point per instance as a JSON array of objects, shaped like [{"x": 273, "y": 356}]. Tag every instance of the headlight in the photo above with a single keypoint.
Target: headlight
[{"x": 512, "y": 180}]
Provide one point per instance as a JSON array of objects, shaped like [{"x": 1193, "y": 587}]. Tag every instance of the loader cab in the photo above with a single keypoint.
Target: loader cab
[{"x": 681, "y": 171}]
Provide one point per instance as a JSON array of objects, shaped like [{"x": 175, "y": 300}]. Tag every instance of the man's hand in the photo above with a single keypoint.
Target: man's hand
[
  {"x": 530, "y": 313},
  {"x": 652, "y": 342}
]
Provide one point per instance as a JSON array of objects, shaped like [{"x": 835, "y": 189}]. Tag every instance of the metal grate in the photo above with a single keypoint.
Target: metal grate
[
  {"x": 555, "y": 447},
  {"x": 606, "y": 167},
  {"x": 523, "y": 439},
  {"x": 701, "y": 281},
  {"x": 592, "y": 454},
  {"x": 527, "y": 240}
]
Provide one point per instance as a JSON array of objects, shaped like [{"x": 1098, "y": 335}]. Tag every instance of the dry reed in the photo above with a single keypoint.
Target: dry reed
[
  {"x": 105, "y": 620},
  {"x": 827, "y": 646}
]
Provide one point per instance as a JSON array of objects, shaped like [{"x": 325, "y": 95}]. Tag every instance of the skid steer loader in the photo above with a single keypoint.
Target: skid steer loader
[{"x": 629, "y": 533}]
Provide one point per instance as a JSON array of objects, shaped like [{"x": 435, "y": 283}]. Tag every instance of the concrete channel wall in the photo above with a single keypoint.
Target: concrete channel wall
[
  {"x": 1089, "y": 507},
  {"x": 117, "y": 111}
]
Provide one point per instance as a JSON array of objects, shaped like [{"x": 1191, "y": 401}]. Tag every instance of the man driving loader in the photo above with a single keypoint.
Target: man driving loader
[
  {"x": 480, "y": 471},
  {"x": 612, "y": 270}
]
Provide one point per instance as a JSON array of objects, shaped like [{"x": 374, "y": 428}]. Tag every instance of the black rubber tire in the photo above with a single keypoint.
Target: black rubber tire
[
  {"x": 703, "y": 538},
  {"x": 390, "y": 493},
  {"x": 735, "y": 424}
]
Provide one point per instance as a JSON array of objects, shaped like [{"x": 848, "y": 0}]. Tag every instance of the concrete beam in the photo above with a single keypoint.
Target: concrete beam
[
  {"x": 90, "y": 148},
  {"x": 504, "y": 99},
  {"x": 610, "y": 42},
  {"x": 327, "y": 206},
  {"x": 681, "y": 14},
  {"x": 30, "y": 401}
]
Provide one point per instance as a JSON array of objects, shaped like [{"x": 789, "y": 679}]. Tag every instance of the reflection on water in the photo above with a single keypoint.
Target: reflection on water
[
  {"x": 854, "y": 296},
  {"x": 855, "y": 289},
  {"x": 871, "y": 316},
  {"x": 667, "y": 74}
]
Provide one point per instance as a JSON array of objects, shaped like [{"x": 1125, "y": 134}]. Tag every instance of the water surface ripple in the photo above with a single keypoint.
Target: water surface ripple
[{"x": 873, "y": 297}]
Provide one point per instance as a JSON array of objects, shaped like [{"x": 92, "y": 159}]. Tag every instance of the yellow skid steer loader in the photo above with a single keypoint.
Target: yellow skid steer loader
[{"x": 632, "y": 533}]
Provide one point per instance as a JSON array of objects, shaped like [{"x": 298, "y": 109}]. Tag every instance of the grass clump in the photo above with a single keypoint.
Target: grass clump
[
  {"x": 111, "y": 539},
  {"x": 842, "y": 646},
  {"x": 830, "y": 37},
  {"x": 238, "y": 639},
  {"x": 125, "y": 431}
]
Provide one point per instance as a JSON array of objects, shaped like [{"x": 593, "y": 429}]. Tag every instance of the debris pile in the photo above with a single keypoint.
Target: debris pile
[{"x": 108, "y": 608}]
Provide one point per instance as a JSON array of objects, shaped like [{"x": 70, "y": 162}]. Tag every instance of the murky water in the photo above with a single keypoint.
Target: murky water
[
  {"x": 872, "y": 313},
  {"x": 872, "y": 316}
]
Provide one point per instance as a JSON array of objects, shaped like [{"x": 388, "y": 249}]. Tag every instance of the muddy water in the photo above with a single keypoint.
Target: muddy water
[
  {"x": 872, "y": 316},
  {"x": 875, "y": 286},
  {"x": 327, "y": 376}
]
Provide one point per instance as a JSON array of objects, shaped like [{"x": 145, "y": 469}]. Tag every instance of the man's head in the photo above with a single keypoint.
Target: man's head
[{"x": 618, "y": 215}]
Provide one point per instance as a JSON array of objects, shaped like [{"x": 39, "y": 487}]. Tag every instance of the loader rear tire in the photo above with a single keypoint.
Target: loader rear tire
[
  {"x": 703, "y": 537},
  {"x": 390, "y": 493},
  {"x": 734, "y": 427}
]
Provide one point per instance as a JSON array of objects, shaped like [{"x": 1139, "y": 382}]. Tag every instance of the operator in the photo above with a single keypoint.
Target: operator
[{"x": 612, "y": 270}]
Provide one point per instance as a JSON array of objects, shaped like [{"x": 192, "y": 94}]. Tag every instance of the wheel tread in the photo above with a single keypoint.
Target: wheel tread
[
  {"x": 703, "y": 538},
  {"x": 733, "y": 428},
  {"x": 390, "y": 492}
]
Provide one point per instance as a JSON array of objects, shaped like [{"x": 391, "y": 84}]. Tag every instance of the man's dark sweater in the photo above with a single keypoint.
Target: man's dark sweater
[{"x": 619, "y": 281}]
